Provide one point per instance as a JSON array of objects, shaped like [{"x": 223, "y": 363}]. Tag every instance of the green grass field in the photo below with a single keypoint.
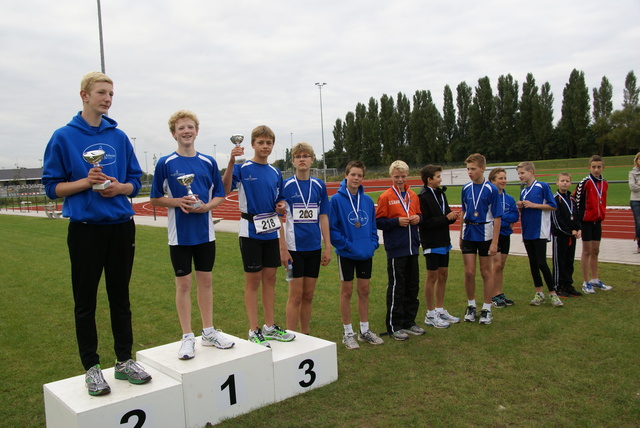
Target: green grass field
[{"x": 534, "y": 366}]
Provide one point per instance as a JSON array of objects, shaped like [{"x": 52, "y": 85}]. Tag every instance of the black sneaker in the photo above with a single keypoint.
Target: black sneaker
[
  {"x": 498, "y": 302},
  {"x": 561, "y": 292},
  {"x": 509, "y": 302},
  {"x": 572, "y": 291}
]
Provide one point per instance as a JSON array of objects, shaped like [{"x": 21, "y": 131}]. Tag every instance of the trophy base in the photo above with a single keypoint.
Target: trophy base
[
  {"x": 102, "y": 186},
  {"x": 196, "y": 205},
  {"x": 240, "y": 160}
]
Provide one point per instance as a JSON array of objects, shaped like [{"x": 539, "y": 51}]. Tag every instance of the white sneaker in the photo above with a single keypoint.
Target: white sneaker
[
  {"x": 216, "y": 339},
  {"x": 601, "y": 286},
  {"x": 446, "y": 316},
  {"x": 187, "y": 349},
  {"x": 370, "y": 337},
  {"x": 349, "y": 340},
  {"x": 587, "y": 288},
  {"x": 436, "y": 321}
]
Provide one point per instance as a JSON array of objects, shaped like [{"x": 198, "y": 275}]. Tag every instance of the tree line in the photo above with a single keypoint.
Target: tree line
[{"x": 512, "y": 124}]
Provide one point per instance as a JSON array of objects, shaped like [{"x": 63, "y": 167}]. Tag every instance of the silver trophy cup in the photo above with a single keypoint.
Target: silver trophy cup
[
  {"x": 94, "y": 157},
  {"x": 237, "y": 139},
  {"x": 186, "y": 181}
]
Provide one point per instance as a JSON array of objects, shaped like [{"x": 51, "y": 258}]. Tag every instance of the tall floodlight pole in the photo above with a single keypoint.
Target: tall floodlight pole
[
  {"x": 101, "y": 41},
  {"x": 324, "y": 160},
  {"x": 134, "y": 144}
]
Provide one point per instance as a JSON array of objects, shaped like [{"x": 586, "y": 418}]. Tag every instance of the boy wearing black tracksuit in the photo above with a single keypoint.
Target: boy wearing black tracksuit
[{"x": 565, "y": 230}]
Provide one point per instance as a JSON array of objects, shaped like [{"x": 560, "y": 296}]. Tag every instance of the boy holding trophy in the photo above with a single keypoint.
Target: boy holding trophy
[
  {"x": 190, "y": 226},
  {"x": 101, "y": 229},
  {"x": 261, "y": 202}
]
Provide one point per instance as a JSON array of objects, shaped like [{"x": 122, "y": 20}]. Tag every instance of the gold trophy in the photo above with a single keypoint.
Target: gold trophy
[
  {"x": 94, "y": 157},
  {"x": 237, "y": 139},
  {"x": 186, "y": 181}
]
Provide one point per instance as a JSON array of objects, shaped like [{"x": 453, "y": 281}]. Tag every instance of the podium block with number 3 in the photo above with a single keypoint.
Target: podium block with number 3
[{"x": 302, "y": 365}]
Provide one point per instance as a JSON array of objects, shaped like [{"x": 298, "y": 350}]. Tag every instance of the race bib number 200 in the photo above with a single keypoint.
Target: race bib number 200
[{"x": 302, "y": 214}]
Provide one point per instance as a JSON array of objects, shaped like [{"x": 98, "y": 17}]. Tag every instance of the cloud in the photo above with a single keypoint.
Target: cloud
[{"x": 243, "y": 63}]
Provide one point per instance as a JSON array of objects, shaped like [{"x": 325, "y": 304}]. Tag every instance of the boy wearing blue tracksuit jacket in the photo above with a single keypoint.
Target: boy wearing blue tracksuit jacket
[
  {"x": 535, "y": 204},
  {"x": 352, "y": 224},
  {"x": 101, "y": 232},
  {"x": 510, "y": 215}
]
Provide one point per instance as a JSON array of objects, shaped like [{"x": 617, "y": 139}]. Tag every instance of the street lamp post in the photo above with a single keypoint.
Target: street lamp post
[
  {"x": 146, "y": 167},
  {"x": 101, "y": 41},
  {"x": 324, "y": 160},
  {"x": 134, "y": 144}
]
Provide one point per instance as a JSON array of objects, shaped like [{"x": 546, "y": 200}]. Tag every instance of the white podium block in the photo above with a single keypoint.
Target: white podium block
[
  {"x": 156, "y": 403},
  {"x": 218, "y": 383},
  {"x": 302, "y": 365}
]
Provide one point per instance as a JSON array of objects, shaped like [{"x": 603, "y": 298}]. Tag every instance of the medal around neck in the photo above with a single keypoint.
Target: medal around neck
[
  {"x": 186, "y": 181},
  {"x": 237, "y": 139},
  {"x": 94, "y": 157}
]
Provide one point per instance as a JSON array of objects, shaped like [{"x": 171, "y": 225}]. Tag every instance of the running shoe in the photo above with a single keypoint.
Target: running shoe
[
  {"x": 573, "y": 292},
  {"x": 400, "y": 335},
  {"x": 601, "y": 286},
  {"x": 555, "y": 300},
  {"x": 537, "y": 299},
  {"x": 587, "y": 288},
  {"x": 436, "y": 321},
  {"x": 216, "y": 339},
  {"x": 131, "y": 371},
  {"x": 257, "y": 338},
  {"x": 485, "y": 316},
  {"x": 470, "y": 315},
  {"x": 497, "y": 302},
  {"x": 349, "y": 341},
  {"x": 415, "y": 330},
  {"x": 95, "y": 383},
  {"x": 446, "y": 316},
  {"x": 370, "y": 337},
  {"x": 276, "y": 333},
  {"x": 509, "y": 302},
  {"x": 187, "y": 348},
  {"x": 561, "y": 292}
]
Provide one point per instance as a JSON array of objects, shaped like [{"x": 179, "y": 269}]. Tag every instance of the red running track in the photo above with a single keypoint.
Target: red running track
[{"x": 618, "y": 223}]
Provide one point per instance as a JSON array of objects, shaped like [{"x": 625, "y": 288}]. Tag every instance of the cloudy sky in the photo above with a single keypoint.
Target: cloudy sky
[{"x": 239, "y": 64}]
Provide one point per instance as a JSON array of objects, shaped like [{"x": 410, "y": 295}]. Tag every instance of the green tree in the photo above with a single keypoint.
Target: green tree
[
  {"x": 631, "y": 91},
  {"x": 371, "y": 135},
  {"x": 542, "y": 122},
  {"x": 418, "y": 127},
  {"x": 403, "y": 110},
  {"x": 526, "y": 139},
  {"x": 602, "y": 109},
  {"x": 462, "y": 143},
  {"x": 352, "y": 145},
  {"x": 389, "y": 130},
  {"x": 625, "y": 123},
  {"x": 449, "y": 128},
  {"x": 575, "y": 115},
  {"x": 506, "y": 123},
  {"x": 483, "y": 119},
  {"x": 434, "y": 151}
]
